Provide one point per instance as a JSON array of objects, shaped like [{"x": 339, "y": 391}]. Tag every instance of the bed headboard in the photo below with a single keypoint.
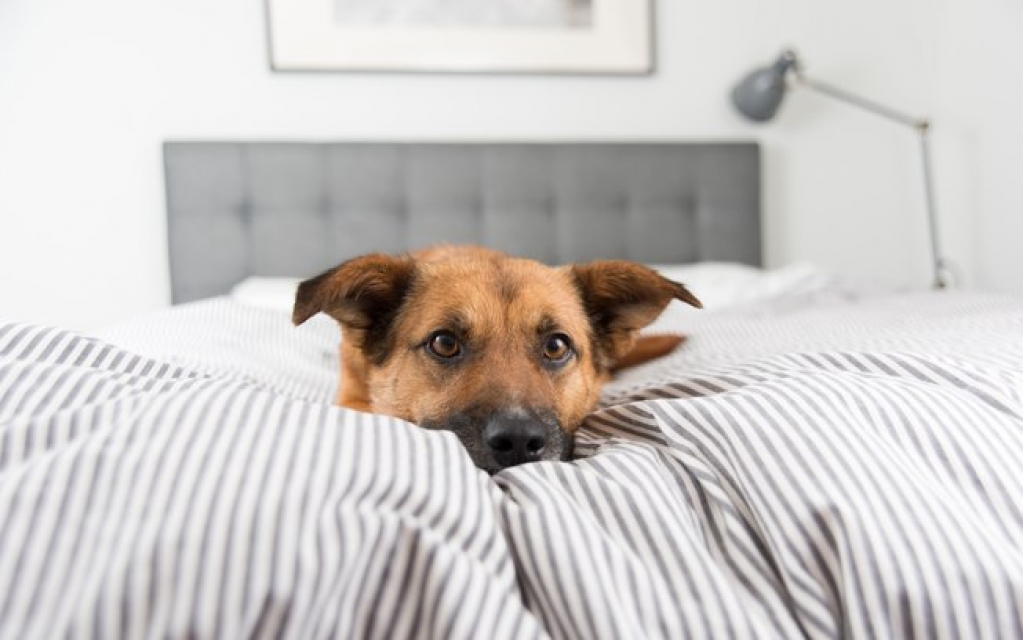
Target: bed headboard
[{"x": 238, "y": 209}]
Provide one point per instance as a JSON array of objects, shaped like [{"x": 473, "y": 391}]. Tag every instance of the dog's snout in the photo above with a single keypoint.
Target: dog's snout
[
  {"x": 500, "y": 438},
  {"x": 514, "y": 439}
]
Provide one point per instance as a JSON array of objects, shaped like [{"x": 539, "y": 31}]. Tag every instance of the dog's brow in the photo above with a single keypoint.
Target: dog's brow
[
  {"x": 547, "y": 325},
  {"x": 507, "y": 286},
  {"x": 457, "y": 322}
]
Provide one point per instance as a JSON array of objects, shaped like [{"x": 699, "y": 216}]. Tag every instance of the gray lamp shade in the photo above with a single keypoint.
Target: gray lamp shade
[{"x": 760, "y": 93}]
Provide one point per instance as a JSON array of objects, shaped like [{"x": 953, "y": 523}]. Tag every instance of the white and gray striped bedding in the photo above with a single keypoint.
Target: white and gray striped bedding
[{"x": 817, "y": 466}]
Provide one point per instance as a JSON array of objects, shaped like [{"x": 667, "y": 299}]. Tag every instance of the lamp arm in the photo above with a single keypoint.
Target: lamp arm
[
  {"x": 863, "y": 103},
  {"x": 942, "y": 273},
  {"x": 943, "y": 277}
]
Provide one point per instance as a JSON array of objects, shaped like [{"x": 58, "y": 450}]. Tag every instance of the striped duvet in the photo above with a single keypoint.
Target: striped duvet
[{"x": 813, "y": 466}]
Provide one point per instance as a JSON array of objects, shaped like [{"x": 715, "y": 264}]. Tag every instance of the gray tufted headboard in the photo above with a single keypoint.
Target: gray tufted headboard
[{"x": 238, "y": 209}]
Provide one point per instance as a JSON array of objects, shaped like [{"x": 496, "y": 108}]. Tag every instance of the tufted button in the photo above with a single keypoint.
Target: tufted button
[
  {"x": 402, "y": 211},
  {"x": 550, "y": 207},
  {"x": 246, "y": 212}
]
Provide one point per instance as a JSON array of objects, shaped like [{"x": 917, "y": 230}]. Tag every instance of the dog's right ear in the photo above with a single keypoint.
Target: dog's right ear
[
  {"x": 363, "y": 293},
  {"x": 621, "y": 298}
]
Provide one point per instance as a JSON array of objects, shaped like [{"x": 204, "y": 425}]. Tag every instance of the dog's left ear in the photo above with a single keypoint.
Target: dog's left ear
[
  {"x": 363, "y": 293},
  {"x": 622, "y": 297}
]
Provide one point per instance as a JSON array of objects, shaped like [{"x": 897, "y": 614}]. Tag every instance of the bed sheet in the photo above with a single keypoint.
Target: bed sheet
[{"x": 822, "y": 464}]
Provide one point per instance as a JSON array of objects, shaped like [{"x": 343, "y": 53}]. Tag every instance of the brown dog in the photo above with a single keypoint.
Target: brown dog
[{"x": 507, "y": 353}]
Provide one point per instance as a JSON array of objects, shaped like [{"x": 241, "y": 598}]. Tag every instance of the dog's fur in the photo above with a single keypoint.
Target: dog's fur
[{"x": 505, "y": 317}]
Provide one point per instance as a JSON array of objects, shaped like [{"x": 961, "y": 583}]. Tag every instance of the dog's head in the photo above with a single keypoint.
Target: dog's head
[{"x": 507, "y": 353}]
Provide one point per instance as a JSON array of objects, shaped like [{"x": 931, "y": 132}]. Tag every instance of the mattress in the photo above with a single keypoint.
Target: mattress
[{"x": 819, "y": 463}]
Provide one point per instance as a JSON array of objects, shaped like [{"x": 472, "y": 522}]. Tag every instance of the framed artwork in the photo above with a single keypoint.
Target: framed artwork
[{"x": 462, "y": 36}]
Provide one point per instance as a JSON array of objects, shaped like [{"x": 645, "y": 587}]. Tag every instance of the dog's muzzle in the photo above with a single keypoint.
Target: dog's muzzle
[{"x": 505, "y": 438}]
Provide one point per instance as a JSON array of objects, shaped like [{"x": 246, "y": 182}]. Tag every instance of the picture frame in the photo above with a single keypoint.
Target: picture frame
[{"x": 462, "y": 36}]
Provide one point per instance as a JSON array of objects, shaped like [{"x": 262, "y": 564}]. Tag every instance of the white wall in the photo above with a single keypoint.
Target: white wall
[
  {"x": 89, "y": 90},
  {"x": 980, "y": 108}
]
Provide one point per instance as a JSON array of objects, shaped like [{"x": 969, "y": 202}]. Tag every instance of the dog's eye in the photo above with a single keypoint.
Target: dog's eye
[
  {"x": 444, "y": 344},
  {"x": 557, "y": 348}
]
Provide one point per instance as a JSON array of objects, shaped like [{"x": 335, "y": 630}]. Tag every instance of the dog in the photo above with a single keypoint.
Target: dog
[{"x": 507, "y": 353}]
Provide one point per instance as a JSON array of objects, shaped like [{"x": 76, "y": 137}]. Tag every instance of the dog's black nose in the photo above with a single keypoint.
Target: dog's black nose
[{"x": 514, "y": 439}]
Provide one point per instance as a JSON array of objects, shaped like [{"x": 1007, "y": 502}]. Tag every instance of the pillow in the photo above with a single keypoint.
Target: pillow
[
  {"x": 717, "y": 284},
  {"x": 275, "y": 294},
  {"x": 725, "y": 284}
]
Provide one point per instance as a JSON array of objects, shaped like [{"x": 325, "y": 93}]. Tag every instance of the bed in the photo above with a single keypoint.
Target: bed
[{"x": 822, "y": 459}]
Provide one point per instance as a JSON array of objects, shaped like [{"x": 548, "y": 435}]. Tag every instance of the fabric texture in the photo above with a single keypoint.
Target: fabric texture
[
  {"x": 273, "y": 209},
  {"x": 718, "y": 285},
  {"x": 819, "y": 465}
]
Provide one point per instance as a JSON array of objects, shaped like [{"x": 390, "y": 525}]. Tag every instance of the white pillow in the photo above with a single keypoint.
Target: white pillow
[
  {"x": 275, "y": 294},
  {"x": 718, "y": 285},
  {"x": 721, "y": 285},
  {"x": 724, "y": 284}
]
